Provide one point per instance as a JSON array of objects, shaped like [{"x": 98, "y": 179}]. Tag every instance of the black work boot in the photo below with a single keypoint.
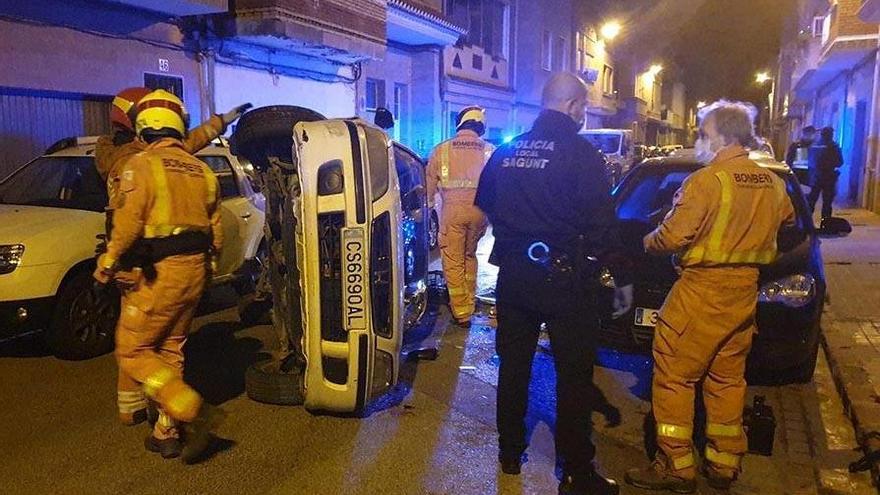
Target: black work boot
[
  {"x": 656, "y": 478},
  {"x": 590, "y": 483},
  {"x": 510, "y": 463},
  {"x": 168, "y": 448},
  {"x": 717, "y": 480},
  {"x": 198, "y": 432}
]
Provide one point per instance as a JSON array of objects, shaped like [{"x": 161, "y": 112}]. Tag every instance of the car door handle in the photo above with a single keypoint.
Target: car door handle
[{"x": 246, "y": 215}]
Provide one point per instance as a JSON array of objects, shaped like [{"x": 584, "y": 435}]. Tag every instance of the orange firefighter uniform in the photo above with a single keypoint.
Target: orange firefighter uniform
[
  {"x": 454, "y": 168},
  {"x": 110, "y": 156},
  {"x": 723, "y": 225},
  {"x": 167, "y": 195}
]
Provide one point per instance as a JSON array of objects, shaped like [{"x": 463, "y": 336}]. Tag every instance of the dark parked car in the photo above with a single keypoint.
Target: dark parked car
[{"x": 791, "y": 293}]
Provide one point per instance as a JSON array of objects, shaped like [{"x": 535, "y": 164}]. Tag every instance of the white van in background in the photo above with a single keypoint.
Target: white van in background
[{"x": 616, "y": 145}]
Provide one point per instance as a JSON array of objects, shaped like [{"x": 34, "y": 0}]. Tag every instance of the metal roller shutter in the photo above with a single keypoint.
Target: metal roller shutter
[{"x": 31, "y": 121}]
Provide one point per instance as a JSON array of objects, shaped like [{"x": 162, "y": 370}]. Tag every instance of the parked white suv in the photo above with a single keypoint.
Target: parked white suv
[{"x": 51, "y": 218}]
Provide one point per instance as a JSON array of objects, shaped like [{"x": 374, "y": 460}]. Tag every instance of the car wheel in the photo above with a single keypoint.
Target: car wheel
[
  {"x": 84, "y": 322},
  {"x": 267, "y": 132},
  {"x": 270, "y": 383},
  {"x": 803, "y": 373},
  {"x": 434, "y": 231}
]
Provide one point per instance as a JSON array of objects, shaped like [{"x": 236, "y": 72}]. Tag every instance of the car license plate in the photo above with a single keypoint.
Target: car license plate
[
  {"x": 354, "y": 279},
  {"x": 647, "y": 317}
]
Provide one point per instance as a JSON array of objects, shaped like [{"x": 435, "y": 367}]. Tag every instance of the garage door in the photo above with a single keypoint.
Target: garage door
[{"x": 30, "y": 122}]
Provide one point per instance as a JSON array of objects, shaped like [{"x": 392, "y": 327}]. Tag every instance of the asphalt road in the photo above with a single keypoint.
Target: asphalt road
[{"x": 434, "y": 435}]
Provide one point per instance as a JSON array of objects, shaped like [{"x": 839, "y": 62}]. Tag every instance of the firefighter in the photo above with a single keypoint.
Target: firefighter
[
  {"x": 798, "y": 152},
  {"x": 168, "y": 214},
  {"x": 454, "y": 168},
  {"x": 825, "y": 162},
  {"x": 111, "y": 153},
  {"x": 722, "y": 228},
  {"x": 549, "y": 204}
]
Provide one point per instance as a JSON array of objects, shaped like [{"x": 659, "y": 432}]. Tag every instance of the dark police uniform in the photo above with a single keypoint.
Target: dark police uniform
[
  {"x": 547, "y": 197},
  {"x": 825, "y": 159}
]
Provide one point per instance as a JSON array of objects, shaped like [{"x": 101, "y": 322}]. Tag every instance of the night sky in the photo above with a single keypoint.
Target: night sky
[{"x": 717, "y": 45}]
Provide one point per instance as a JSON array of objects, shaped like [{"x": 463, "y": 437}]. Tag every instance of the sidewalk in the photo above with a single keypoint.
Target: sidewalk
[{"x": 851, "y": 324}]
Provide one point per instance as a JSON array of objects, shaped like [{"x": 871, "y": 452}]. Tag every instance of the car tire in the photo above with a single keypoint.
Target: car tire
[
  {"x": 803, "y": 373},
  {"x": 84, "y": 321},
  {"x": 269, "y": 383},
  {"x": 268, "y": 132},
  {"x": 433, "y": 231}
]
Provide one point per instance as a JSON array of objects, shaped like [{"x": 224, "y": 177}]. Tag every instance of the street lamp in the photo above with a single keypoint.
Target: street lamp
[{"x": 610, "y": 30}]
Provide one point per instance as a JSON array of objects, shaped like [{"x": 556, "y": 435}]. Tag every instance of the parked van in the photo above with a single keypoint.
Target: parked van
[{"x": 616, "y": 145}]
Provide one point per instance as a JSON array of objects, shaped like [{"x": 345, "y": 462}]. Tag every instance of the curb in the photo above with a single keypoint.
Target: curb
[{"x": 854, "y": 385}]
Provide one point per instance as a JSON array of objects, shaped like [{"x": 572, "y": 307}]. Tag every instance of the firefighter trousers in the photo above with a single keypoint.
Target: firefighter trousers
[
  {"x": 461, "y": 227},
  {"x": 152, "y": 330},
  {"x": 525, "y": 299},
  {"x": 704, "y": 334}
]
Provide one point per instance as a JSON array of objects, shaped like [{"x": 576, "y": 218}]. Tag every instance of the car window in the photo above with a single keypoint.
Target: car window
[
  {"x": 377, "y": 149},
  {"x": 223, "y": 170},
  {"x": 56, "y": 181},
  {"x": 650, "y": 193},
  {"x": 411, "y": 176},
  {"x": 606, "y": 143}
]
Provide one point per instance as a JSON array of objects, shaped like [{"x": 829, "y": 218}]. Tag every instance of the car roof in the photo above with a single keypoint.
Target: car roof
[
  {"x": 605, "y": 131},
  {"x": 687, "y": 156}
]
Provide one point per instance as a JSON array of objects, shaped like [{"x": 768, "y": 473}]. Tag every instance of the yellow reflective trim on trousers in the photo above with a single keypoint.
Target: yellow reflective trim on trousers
[
  {"x": 683, "y": 462},
  {"x": 674, "y": 431},
  {"x": 719, "y": 430},
  {"x": 457, "y": 291},
  {"x": 161, "y": 214},
  {"x": 722, "y": 458},
  {"x": 458, "y": 184},
  {"x": 157, "y": 380},
  {"x": 735, "y": 258}
]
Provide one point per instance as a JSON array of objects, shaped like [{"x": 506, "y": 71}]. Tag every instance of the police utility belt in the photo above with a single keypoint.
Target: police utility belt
[{"x": 558, "y": 263}]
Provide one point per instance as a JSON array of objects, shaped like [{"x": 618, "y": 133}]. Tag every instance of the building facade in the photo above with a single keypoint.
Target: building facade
[{"x": 827, "y": 78}]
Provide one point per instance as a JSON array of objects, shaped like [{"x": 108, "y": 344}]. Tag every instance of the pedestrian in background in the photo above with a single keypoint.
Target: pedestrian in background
[
  {"x": 454, "y": 168},
  {"x": 825, "y": 160},
  {"x": 723, "y": 225},
  {"x": 169, "y": 215},
  {"x": 549, "y": 204},
  {"x": 798, "y": 152}
]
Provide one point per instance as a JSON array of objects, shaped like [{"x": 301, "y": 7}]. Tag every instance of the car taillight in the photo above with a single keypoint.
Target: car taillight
[
  {"x": 380, "y": 275},
  {"x": 794, "y": 291},
  {"x": 10, "y": 257}
]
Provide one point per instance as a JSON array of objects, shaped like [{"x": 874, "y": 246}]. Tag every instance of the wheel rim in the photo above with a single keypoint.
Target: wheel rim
[{"x": 92, "y": 315}]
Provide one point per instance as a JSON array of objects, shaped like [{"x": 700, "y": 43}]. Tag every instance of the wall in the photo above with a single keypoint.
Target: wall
[
  {"x": 236, "y": 85},
  {"x": 396, "y": 68}
]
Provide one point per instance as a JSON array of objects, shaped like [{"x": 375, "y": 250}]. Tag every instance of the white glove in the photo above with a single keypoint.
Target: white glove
[
  {"x": 233, "y": 115},
  {"x": 623, "y": 300}
]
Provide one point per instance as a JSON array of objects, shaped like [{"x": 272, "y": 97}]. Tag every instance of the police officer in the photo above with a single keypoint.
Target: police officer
[
  {"x": 825, "y": 160},
  {"x": 169, "y": 215},
  {"x": 547, "y": 198},
  {"x": 723, "y": 226},
  {"x": 798, "y": 152},
  {"x": 454, "y": 167}
]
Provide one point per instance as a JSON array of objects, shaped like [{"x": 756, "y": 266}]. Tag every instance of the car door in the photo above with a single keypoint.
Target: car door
[
  {"x": 236, "y": 216},
  {"x": 413, "y": 199}
]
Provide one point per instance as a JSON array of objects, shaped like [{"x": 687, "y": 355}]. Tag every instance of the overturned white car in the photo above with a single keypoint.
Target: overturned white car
[{"x": 348, "y": 227}]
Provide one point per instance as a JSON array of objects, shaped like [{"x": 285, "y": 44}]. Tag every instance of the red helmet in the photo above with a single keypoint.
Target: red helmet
[{"x": 123, "y": 113}]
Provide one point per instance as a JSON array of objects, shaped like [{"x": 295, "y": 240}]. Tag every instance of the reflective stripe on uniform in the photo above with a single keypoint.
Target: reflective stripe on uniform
[
  {"x": 161, "y": 213},
  {"x": 166, "y": 421},
  {"x": 719, "y": 430},
  {"x": 212, "y": 187},
  {"x": 683, "y": 462},
  {"x": 122, "y": 104},
  {"x": 722, "y": 458},
  {"x": 158, "y": 380},
  {"x": 674, "y": 431},
  {"x": 130, "y": 401},
  {"x": 444, "y": 162},
  {"x": 456, "y": 291},
  {"x": 458, "y": 184},
  {"x": 710, "y": 249}
]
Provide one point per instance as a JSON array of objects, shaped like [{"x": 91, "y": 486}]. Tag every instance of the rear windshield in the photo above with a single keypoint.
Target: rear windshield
[
  {"x": 606, "y": 143},
  {"x": 58, "y": 182},
  {"x": 647, "y": 193}
]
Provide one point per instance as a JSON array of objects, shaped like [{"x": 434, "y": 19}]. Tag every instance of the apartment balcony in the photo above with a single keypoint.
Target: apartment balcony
[
  {"x": 334, "y": 31},
  {"x": 179, "y": 7},
  {"x": 870, "y": 11},
  {"x": 471, "y": 63},
  {"x": 845, "y": 42}
]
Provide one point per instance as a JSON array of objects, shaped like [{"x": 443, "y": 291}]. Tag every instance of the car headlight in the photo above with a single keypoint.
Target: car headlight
[
  {"x": 607, "y": 279},
  {"x": 383, "y": 373},
  {"x": 794, "y": 291},
  {"x": 10, "y": 257}
]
